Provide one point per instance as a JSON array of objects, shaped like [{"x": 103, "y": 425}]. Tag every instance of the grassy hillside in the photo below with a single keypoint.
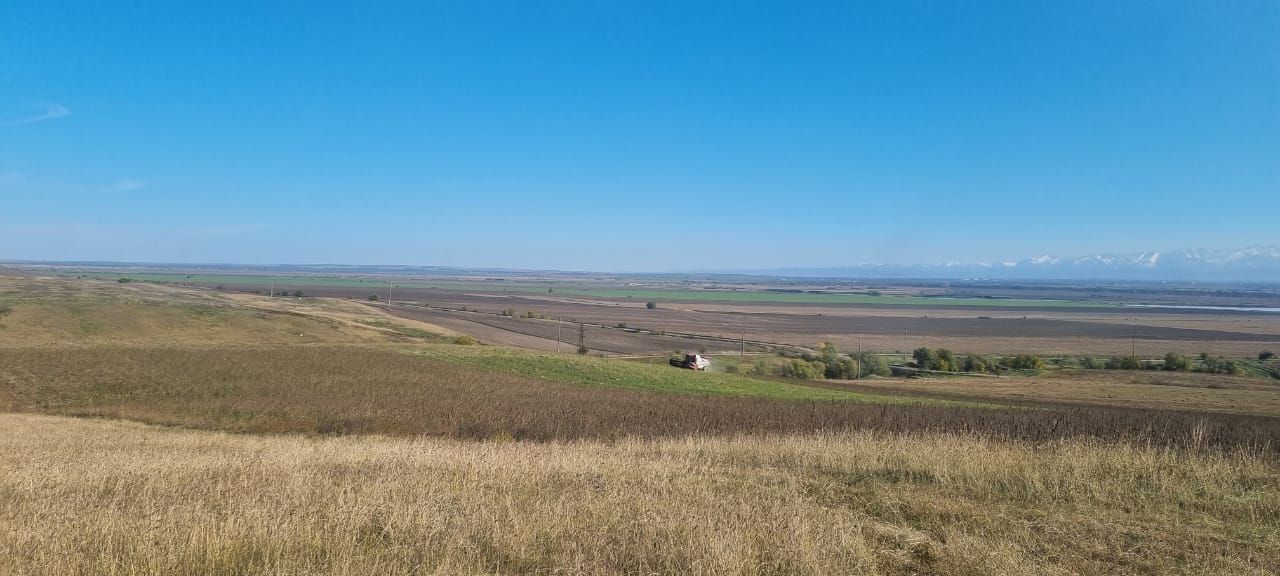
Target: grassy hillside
[
  {"x": 588, "y": 371},
  {"x": 377, "y": 389},
  {"x": 254, "y": 364},
  {"x": 92, "y": 497},
  {"x": 371, "y": 389},
  {"x": 41, "y": 312}
]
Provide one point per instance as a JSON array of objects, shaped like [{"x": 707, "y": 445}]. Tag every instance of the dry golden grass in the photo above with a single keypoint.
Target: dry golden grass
[{"x": 98, "y": 497}]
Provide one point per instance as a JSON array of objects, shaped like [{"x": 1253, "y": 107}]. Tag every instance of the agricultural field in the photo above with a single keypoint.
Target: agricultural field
[
  {"x": 157, "y": 428},
  {"x": 720, "y": 316},
  {"x": 1182, "y": 391},
  {"x": 628, "y": 326}
]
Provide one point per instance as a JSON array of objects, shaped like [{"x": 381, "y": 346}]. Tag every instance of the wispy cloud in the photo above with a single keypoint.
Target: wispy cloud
[
  {"x": 51, "y": 111},
  {"x": 126, "y": 185}
]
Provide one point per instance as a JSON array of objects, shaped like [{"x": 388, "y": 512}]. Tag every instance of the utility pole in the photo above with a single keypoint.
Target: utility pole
[
  {"x": 557, "y": 334},
  {"x": 582, "y": 338},
  {"x": 272, "y": 292},
  {"x": 743, "y": 350},
  {"x": 389, "y": 285},
  {"x": 861, "y": 361}
]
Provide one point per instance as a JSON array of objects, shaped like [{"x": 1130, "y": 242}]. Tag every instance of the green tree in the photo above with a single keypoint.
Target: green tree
[
  {"x": 803, "y": 370},
  {"x": 1266, "y": 355},
  {"x": 846, "y": 369},
  {"x": 1175, "y": 362},
  {"x": 925, "y": 358},
  {"x": 975, "y": 363},
  {"x": 834, "y": 365},
  {"x": 1123, "y": 363},
  {"x": 947, "y": 361},
  {"x": 373, "y": 298},
  {"x": 1026, "y": 362},
  {"x": 297, "y": 293},
  {"x": 828, "y": 353},
  {"x": 871, "y": 364},
  {"x": 651, "y": 305}
]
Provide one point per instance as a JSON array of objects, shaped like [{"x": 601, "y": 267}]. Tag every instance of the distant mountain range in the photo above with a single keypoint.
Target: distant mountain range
[{"x": 1250, "y": 264}]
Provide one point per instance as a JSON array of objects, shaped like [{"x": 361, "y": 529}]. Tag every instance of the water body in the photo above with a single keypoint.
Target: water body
[{"x": 1215, "y": 308}]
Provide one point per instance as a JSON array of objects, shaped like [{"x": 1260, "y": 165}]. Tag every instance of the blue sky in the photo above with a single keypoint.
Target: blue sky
[{"x": 635, "y": 136}]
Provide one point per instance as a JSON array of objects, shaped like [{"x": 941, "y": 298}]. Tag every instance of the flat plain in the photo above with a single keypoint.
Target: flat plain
[{"x": 151, "y": 428}]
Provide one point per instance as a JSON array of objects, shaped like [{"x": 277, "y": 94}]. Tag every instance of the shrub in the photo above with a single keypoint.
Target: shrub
[
  {"x": 872, "y": 364},
  {"x": 1026, "y": 362},
  {"x": 1175, "y": 362},
  {"x": 925, "y": 358},
  {"x": 464, "y": 340},
  {"x": 373, "y": 298},
  {"x": 1266, "y": 355},
  {"x": 841, "y": 368},
  {"x": 804, "y": 370},
  {"x": 651, "y": 305},
  {"x": 125, "y": 280},
  {"x": 1219, "y": 365},
  {"x": 297, "y": 293},
  {"x": 975, "y": 363},
  {"x": 947, "y": 361},
  {"x": 1123, "y": 363},
  {"x": 1091, "y": 363}
]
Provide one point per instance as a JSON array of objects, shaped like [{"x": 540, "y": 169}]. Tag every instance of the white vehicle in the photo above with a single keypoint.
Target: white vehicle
[{"x": 692, "y": 362}]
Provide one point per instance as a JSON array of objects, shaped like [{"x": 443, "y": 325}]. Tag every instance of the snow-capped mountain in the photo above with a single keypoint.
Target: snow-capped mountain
[{"x": 1253, "y": 263}]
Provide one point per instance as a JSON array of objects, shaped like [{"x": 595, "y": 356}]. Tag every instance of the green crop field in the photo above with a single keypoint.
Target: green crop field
[
  {"x": 809, "y": 298},
  {"x": 605, "y": 291}
]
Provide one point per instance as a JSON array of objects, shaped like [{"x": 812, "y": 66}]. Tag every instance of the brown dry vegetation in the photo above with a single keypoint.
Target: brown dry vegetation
[
  {"x": 93, "y": 497},
  {"x": 1184, "y": 391},
  {"x": 350, "y": 389}
]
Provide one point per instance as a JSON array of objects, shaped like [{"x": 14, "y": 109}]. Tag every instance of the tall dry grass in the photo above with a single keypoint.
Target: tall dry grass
[{"x": 96, "y": 497}]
